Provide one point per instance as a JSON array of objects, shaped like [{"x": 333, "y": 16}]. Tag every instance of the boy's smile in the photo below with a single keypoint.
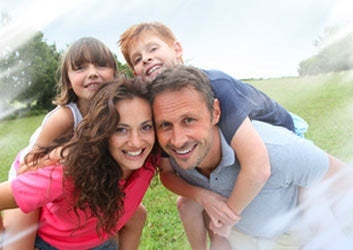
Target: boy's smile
[{"x": 150, "y": 55}]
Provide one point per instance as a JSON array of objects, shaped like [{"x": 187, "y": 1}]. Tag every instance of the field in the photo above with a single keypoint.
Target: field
[{"x": 325, "y": 102}]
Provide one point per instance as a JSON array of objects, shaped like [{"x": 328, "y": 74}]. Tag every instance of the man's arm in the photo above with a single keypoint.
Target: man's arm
[
  {"x": 255, "y": 166},
  {"x": 213, "y": 203}
]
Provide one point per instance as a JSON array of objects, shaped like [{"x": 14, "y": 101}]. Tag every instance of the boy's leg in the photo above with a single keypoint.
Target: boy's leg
[
  {"x": 20, "y": 229},
  {"x": 130, "y": 234},
  {"x": 191, "y": 215}
]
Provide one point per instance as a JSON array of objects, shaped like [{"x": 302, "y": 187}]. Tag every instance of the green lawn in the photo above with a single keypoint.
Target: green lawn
[{"x": 325, "y": 102}]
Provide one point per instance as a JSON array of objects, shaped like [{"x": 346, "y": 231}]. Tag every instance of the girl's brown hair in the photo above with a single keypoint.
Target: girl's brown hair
[{"x": 84, "y": 50}]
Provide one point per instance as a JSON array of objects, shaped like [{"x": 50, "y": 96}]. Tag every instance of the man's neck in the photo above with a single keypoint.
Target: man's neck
[{"x": 214, "y": 156}]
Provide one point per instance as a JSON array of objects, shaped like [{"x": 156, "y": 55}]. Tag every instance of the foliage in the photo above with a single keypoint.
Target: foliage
[
  {"x": 333, "y": 57},
  {"x": 29, "y": 73}
]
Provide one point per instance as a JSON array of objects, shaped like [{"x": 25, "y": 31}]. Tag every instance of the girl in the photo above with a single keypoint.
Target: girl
[
  {"x": 100, "y": 181},
  {"x": 86, "y": 64}
]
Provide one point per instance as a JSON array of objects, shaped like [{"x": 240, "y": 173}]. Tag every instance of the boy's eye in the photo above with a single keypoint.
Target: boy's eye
[
  {"x": 153, "y": 48},
  {"x": 137, "y": 60}
]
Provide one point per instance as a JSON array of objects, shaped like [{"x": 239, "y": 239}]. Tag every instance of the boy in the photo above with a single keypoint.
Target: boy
[{"x": 150, "y": 48}]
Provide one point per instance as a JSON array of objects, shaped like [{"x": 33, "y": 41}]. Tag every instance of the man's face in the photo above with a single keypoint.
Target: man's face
[
  {"x": 184, "y": 126},
  {"x": 150, "y": 55}
]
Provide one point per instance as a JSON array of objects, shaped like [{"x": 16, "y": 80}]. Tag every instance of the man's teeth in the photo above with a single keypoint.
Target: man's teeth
[
  {"x": 153, "y": 69},
  {"x": 133, "y": 153},
  {"x": 182, "y": 152}
]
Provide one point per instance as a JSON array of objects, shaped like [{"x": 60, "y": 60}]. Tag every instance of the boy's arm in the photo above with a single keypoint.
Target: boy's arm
[
  {"x": 255, "y": 166},
  {"x": 213, "y": 203}
]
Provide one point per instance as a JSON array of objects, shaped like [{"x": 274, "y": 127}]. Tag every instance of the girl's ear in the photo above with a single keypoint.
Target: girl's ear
[
  {"x": 216, "y": 111},
  {"x": 178, "y": 51}
]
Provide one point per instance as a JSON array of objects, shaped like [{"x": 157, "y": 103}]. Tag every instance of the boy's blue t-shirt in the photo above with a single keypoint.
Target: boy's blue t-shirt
[{"x": 239, "y": 100}]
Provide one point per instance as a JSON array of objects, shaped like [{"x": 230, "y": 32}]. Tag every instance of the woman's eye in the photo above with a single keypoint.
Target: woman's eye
[
  {"x": 120, "y": 130},
  {"x": 147, "y": 127}
]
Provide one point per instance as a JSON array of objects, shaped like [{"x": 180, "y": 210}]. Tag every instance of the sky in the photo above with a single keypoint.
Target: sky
[{"x": 245, "y": 38}]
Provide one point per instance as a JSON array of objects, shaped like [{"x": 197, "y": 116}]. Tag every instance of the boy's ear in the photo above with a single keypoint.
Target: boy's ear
[
  {"x": 178, "y": 50},
  {"x": 216, "y": 111}
]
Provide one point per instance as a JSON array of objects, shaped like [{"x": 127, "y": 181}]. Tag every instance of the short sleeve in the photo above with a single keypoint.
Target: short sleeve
[
  {"x": 235, "y": 106},
  {"x": 35, "y": 189}
]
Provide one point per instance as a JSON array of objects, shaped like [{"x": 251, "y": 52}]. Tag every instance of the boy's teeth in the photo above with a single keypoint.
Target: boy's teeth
[
  {"x": 134, "y": 153},
  {"x": 153, "y": 69}
]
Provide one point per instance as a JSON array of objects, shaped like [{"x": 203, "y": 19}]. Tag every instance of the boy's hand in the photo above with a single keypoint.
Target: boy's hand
[
  {"x": 217, "y": 209},
  {"x": 224, "y": 230}
]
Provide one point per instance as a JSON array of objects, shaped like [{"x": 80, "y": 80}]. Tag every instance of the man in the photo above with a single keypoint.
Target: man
[{"x": 186, "y": 116}]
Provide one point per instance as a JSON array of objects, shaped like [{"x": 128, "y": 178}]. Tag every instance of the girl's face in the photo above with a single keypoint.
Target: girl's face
[
  {"x": 134, "y": 135},
  {"x": 85, "y": 79}
]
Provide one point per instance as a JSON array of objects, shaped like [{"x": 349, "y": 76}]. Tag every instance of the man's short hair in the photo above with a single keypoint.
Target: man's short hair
[{"x": 180, "y": 77}]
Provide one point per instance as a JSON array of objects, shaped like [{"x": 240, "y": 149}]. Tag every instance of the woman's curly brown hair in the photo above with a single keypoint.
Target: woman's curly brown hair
[{"x": 87, "y": 160}]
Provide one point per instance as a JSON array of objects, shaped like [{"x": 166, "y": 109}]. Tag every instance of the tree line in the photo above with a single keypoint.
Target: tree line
[
  {"x": 335, "y": 53},
  {"x": 28, "y": 77}
]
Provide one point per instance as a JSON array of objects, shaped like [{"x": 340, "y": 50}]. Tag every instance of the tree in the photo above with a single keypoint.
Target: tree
[
  {"x": 332, "y": 57},
  {"x": 29, "y": 73}
]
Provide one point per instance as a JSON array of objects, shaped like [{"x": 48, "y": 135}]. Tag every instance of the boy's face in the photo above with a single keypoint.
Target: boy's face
[{"x": 150, "y": 55}]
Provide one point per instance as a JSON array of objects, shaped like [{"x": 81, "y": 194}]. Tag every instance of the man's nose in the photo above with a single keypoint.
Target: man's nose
[{"x": 179, "y": 137}]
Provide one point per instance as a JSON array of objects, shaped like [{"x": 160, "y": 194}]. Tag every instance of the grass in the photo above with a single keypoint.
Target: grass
[{"x": 325, "y": 102}]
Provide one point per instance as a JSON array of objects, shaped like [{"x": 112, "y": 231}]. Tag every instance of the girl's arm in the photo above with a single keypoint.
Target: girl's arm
[
  {"x": 59, "y": 123},
  {"x": 255, "y": 166},
  {"x": 7, "y": 199}
]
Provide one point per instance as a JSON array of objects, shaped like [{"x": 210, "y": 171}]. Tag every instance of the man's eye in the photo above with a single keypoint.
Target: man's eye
[
  {"x": 164, "y": 125},
  {"x": 188, "y": 120}
]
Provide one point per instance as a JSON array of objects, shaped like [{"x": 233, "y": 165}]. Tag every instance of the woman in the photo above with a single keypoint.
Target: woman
[{"x": 105, "y": 170}]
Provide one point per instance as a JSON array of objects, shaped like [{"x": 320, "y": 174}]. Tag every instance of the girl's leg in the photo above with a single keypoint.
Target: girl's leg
[
  {"x": 130, "y": 234},
  {"x": 190, "y": 214},
  {"x": 20, "y": 229}
]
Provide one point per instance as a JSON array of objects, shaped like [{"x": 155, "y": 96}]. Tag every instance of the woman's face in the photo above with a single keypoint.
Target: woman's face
[{"x": 134, "y": 136}]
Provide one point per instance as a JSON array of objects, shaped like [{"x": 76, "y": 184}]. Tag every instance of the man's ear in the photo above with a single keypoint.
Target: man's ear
[
  {"x": 216, "y": 111},
  {"x": 178, "y": 51}
]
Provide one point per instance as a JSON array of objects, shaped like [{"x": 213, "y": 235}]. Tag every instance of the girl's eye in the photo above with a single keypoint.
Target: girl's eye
[{"x": 78, "y": 67}]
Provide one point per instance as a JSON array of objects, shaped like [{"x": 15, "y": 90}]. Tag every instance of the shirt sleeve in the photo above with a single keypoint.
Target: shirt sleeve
[
  {"x": 235, "y": 106},
  {"x": 136, "y": 187},
  {"x": 35, "y": 189}
]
